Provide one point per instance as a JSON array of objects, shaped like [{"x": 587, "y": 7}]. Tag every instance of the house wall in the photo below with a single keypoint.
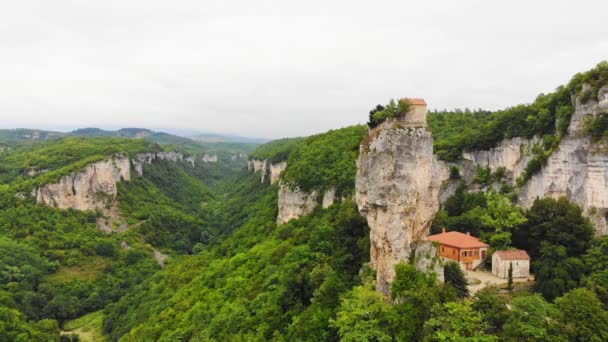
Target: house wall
[
  {"x": 500, "y": 268},
  {"x": 448, "y": 252},
  {"x": 463, "y": 256}
]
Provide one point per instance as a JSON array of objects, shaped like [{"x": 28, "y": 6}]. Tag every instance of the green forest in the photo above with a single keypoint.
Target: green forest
[{"x": 232, "y": 274}]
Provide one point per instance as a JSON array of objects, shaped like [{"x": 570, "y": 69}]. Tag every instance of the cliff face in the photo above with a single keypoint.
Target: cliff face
[
  {"x": 96, "y": 187},
  {"x": 578, "y": 169},
  {"x": 260, "y": 166},
  {"x": 294, "y": 203},
  {"x": 398, "y": 187},
  {"x": 89, "y": 189},
  {"x": 268, "y": 171},
  {"x": 512, "y": 154}
]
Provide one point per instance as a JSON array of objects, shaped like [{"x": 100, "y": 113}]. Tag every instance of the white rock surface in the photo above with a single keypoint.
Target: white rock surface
[
  {"x": 209, "y": 158},
  {"x": 578, "y": 169},
  {"x": 294, "y": 203},
  {"x": 329, "y": 198},
  {"x": 398, "y": 186},
  {"x": 276, "y": 170},
  {"x": 261, "y": 166},
  {"x": 89, "y": 189}
]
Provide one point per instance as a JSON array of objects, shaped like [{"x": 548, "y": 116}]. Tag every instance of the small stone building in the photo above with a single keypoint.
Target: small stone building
[
  {"x": 416, "y": 117},
  {"x": 501, "y": 261}
]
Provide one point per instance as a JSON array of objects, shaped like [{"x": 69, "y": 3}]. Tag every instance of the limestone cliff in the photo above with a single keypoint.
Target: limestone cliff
[
  {"x": 398, "y": 187},
  {"x": 276, "y": 170},
  {"x": 269, "y": 171},
  {"x": 578, "y": 169},
  {"x": 294, "y": 203},
  {"x": 96, "y": 187},
  {"x": 89, "y": 189},
  {"x": 259, "y": 166},
  {"x": 209, "y": 158}
]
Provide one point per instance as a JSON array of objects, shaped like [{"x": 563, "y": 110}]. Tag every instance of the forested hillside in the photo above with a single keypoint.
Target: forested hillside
[
  {"x": 56, "y": 265},
  {"x": 202, "y": 258},
  {"x": 548, "y": 117}
]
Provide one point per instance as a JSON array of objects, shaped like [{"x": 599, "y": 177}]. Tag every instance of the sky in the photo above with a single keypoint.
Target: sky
[{"x": 281, "y": 68}]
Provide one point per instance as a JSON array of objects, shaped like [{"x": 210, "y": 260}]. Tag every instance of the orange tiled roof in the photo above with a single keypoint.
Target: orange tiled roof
[
  {"x": 416, "y": 101},
  {"x": 513, "y": 255},
  {"x": 458, "y": 239}
]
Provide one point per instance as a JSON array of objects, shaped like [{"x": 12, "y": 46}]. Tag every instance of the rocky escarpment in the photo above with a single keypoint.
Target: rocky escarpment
[
  {"x": 96, "y": 187},
  {"x": 294, "y": 203},
  {"x": 89, "y": 189},
  {"x": 270, "y": 172},
  {"x": 577, "y": 169},
  {"x": 398, "y": 187}
]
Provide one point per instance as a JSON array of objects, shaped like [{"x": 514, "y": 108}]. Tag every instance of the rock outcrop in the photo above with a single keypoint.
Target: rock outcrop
[
  {"x": 398, "y": 187},
  {"x": 577, "y": 169},
  {"x": 294, "y": 203},
  {"x": 96, "y": 187},
  {"x": 329, "y": 198},
  {"x": 269, "y": 171},
  {"x": 89, "y": 189},
  {"x": 276, "y": 170},
  {"x": 259, "y": 166},
  {"x": 209, "y": 158},
  {"x": 511, "y": 154}
]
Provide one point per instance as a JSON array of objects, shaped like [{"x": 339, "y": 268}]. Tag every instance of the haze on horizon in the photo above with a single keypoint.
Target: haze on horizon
[{"x": 280, "y": 68}]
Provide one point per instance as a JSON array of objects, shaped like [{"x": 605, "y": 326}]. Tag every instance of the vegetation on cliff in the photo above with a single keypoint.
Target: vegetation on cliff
[
  {"x": 392, "y": 110},
  {"x": 549, "y": 114},
  {"x": 325, "y": 161},
  {"x": 276, "y": 150}
]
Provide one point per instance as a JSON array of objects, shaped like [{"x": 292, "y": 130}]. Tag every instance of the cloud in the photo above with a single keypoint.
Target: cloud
[{"x": 280, "y": 68}]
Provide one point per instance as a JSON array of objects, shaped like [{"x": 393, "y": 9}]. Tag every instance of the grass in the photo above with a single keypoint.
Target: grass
[
  {"x": 90, "y": 269},
  {"x": 87, "y": 327}
]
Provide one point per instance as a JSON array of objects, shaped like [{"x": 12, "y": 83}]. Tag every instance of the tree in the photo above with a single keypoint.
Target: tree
[
  {"x": 502, "y": 217},
  {"x": 414, "y": 293},
  {"x": 456, "y": 322},
  {"x": 492, "y": 309},
  {"x": 364, "y": 316},
  {"x": 555, "y": 273},
  {"x": 454, "y": 276},
  {"x": 529, "y": 320},
  {"x": 581, "y": 316},
  {"x": 557, "y": 222}
]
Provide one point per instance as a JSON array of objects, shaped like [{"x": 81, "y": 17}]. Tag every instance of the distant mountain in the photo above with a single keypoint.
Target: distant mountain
[
  {"x": 202, "y": 143},
  {"x": 12, "y": 136},
  {"x": 216, "y": 138}
]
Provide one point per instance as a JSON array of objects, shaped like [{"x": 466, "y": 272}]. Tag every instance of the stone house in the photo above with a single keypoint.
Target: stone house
[
  {"x": 465, "y": 249},
  {"x": 501, "y": 261}
]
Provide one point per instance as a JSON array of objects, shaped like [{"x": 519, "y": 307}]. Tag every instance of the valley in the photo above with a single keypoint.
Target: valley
[{"x": 137, "y": 235}]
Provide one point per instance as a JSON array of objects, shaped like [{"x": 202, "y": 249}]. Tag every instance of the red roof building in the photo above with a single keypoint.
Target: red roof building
[
  {"x": 467, "y": 250},
  {"x": 415, "y": 101}
]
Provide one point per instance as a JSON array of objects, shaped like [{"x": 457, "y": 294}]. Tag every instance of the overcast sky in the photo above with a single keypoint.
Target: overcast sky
[{"x": 281, "y": 68}]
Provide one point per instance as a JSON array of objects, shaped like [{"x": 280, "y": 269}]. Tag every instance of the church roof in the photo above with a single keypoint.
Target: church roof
[
  {"x": 513, "y": 255},
  {"x": 458, "y": 239},
  {"x": 416, "y": 101}
]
